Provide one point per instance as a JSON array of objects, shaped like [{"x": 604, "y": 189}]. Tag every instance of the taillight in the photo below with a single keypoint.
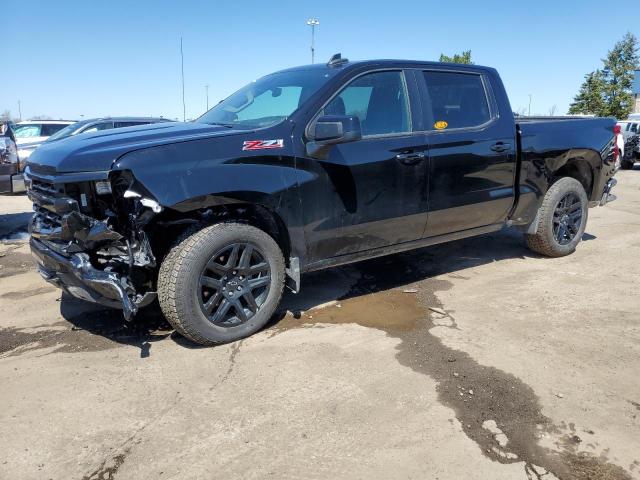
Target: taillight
[{"x": 617, "y": 129}]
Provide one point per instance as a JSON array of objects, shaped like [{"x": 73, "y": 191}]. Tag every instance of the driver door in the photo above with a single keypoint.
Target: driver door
[{"x": 373, "y": 192}]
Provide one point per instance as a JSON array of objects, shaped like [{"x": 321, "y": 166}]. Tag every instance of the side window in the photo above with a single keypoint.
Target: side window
[
  {"x": 49, "y": 129},
  {"x": 458, "y": 100},
  {"x": 634, "y": 127},
  {"x": 98, "y": 127},
  {"x": 128, "y": 124},
  {"x": 378, "y": 99}
]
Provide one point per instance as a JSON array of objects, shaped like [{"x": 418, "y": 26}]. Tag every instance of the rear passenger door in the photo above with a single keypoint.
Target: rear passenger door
[{"x": 472, "y": 151}]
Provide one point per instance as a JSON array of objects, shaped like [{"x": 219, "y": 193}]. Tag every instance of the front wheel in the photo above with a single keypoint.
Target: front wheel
[
  {"x": 221, "y": 283},
  {"x": 562, "y": 219}
]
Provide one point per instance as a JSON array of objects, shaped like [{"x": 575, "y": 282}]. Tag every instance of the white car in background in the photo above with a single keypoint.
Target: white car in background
[
  {"x": 32, "y": 133},
  {"x": 37, "y": 131}
]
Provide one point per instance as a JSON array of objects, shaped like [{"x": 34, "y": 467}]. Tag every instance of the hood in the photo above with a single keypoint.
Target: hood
[{"x": 98, "y": 151}]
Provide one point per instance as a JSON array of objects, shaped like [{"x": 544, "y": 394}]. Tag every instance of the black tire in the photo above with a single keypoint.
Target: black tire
[
  {"x": 626, "y": 164},
  {"x": 183, "y": 295},
  {"x": 558, "y": 230}
]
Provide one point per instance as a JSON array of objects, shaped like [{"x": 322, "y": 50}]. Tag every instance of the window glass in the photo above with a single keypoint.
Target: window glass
[
  {"x": 49, "y": 129},
  {"x": 634, "y": 127},
  {"x": 378, "y": 99},
  {"x": 26, "y": 131},
  {"x": 98, "y": 127},
  {"x": 458, "y": 100},
  {"x": 67, "y": 131},
  {"x": 269, "y": 100},
  {"x": 128, "y": 124}
]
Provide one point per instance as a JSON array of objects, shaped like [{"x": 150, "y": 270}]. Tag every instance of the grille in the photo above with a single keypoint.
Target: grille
[
  {"x": 48, "y": 218},
  {"x": 45, "y": 187}
]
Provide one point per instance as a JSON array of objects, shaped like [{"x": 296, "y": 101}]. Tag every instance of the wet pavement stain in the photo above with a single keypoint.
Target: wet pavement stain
[
  {"x": 477, "y": 393},
  {"x": 87, "y": 328},
  {"x": 109, "y": 468},
  {"x": 19, "y": 295},
  {"x": 15, "y": 263}
]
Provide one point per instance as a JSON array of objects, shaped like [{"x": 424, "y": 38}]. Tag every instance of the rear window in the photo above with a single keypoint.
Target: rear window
[{"x": 458, "y": 100}]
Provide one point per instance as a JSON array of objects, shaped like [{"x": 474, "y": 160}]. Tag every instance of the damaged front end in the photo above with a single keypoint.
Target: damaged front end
[{"x": 88, "y": 237}]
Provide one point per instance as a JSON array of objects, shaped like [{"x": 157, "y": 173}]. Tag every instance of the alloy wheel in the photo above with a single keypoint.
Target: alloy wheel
[
  {"x": 234, "y": 284},
  {"x": 567, "y": 218}
]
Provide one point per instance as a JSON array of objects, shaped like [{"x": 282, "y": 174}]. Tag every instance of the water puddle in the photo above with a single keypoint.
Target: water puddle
[{"x": 496, "y": 409}]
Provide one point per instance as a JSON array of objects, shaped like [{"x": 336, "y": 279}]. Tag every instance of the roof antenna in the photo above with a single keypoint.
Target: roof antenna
[{"x": 336, "y": 60}]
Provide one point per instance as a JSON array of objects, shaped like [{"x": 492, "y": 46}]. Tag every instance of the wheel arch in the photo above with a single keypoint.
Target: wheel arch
[
  {"x": 579, "y": 168},
  {"x": 253, "y": 213}
]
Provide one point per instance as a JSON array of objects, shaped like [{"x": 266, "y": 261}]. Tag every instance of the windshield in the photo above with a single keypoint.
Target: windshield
[
  {"x": 269, "y": 100},
  {"x": 26, "y": 131},
  {"x": 67, "y": 131}
]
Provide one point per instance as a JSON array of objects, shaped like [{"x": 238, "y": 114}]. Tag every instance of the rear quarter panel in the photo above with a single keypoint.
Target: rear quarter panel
[{"x": 547, "y": 145}]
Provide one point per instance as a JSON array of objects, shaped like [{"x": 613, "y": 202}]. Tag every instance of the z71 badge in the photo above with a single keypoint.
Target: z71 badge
[{"x": 262, "y": 144}]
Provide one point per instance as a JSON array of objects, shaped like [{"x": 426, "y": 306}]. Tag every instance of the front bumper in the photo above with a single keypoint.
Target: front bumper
[{"x": 76, "y": 276}]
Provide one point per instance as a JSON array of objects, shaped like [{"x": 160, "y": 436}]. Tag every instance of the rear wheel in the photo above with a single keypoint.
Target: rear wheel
[
  {"x": 562, "y": 219},
  {"x": 221, "y": 283}
]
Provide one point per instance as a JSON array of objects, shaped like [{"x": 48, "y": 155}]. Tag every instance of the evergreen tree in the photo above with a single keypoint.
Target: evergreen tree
[
  {"x": 619, "y": 67},
  {"x": 607, "y": 92},
  {"x": 590, "y": 98}
]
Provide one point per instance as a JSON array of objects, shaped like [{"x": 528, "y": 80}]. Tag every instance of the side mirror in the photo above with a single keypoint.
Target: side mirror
[{"x": 330, "y": 130}]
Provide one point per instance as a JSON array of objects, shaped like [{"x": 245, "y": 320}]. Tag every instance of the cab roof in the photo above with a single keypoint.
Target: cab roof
[{"x": 343, "y": 63}]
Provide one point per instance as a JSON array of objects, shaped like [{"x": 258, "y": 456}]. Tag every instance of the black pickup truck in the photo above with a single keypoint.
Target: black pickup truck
[{"x": 305, "y": 169}]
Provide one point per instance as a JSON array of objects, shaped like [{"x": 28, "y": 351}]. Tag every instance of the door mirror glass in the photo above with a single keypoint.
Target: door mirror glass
[{"x": 332, "y": 129}]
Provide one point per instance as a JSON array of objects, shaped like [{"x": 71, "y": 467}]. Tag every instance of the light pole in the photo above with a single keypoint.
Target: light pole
[
  {"x": 312, "y": 22},
  {"x": 529, "y": 105},
  {"x": 184, "y": 108},
  {"x": 206, "y": 88}
]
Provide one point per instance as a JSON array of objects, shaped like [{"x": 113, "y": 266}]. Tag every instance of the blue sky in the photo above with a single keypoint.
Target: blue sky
[{"x": 70, "y": 58}]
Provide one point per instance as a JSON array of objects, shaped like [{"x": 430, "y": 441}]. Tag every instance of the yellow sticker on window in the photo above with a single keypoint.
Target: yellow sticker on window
[{"x": 441, "y": 125}]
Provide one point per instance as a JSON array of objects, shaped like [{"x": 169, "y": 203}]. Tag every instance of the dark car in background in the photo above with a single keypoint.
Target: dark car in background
[
  {"x": 87, "y": 126},
  {"x": 11, "y": 178}
]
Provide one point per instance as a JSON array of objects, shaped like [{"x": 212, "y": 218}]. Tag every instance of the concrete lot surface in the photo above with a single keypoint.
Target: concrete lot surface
[{"x": 471, "y": 360}]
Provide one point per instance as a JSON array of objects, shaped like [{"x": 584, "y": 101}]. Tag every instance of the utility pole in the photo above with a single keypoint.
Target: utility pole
[
  {"x": 313, "y": 22},
  {"x": 19, "y": 110},
  {"x": 529, "y": 105},
  {"x": 206, "y": 88},
  {"x": 184, "y": 109}
]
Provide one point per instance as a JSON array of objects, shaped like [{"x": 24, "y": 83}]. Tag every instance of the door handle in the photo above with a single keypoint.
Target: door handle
[
  {"x": 410, "y": 158},
  {"x": 500, "y": 147}
]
